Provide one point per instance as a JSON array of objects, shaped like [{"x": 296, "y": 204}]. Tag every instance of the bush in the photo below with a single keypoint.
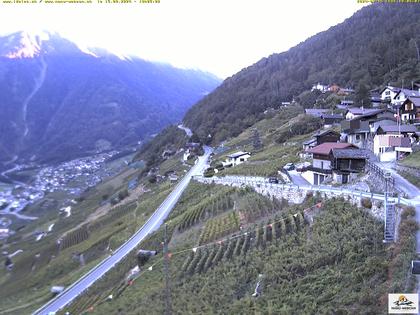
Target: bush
[
  {"x": 408, "y": 212},
  {"x": 123, "y": 194},
  {"x": 366, "y": 203},
  {"x": 209, "y": 172},
  {"x": 152, "y": 179}
]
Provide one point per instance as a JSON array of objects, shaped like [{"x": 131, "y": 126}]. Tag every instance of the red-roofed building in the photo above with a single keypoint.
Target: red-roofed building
[{"x": 324, "y": 149}]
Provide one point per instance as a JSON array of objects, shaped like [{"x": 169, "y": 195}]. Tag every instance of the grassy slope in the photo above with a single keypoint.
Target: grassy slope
[
  {"x": 32, "y": 277},
  {"x": 413, "y": 160},
  {"x": 273, "y": 155}
]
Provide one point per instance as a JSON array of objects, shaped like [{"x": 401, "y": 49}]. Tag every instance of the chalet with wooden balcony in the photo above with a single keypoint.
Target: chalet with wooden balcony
[
  {"x": 409, "y": 110},
  {"x": 335, "y": 161}
]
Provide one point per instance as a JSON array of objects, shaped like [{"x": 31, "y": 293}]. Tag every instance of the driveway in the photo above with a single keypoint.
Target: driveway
[{"x": 297, "y": 179}]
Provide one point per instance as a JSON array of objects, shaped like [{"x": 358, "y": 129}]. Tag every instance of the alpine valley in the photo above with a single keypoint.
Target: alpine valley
[{"x": 59, "y": 101}]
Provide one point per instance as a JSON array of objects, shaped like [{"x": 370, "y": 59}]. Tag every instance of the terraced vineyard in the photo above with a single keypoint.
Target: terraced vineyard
[
  {"x": 291, "y": 255},
  {"x": 220, "y": 226},
  {"x": 114, "y": 214},
  {"x": 272, "y": 231},
  {"x": 253, "y": 206},
  {"x": 75, "y": 237},
  {"x": 208, "y": 207},
  {"x": 82, "y": 233}
]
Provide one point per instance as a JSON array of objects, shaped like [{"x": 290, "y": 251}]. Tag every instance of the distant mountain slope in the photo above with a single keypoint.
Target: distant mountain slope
[
  {"x": 58, "y": 101},
  {"x": 377, "y": 45}
]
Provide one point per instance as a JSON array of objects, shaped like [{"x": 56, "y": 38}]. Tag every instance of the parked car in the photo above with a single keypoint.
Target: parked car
[
  {"x": 289, "y": 167},
  {"x": 273, "y": 180}
]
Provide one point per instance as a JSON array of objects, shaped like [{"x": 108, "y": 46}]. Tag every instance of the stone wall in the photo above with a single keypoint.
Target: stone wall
[{"x": 296, "y": 196}]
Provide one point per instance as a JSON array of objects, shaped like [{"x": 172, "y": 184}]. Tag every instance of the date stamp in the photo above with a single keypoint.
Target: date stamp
[{"x": 388, "y": 1}]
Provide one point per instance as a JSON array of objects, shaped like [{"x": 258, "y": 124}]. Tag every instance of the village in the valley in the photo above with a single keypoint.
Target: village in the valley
[{"x": 72, "y": 177}]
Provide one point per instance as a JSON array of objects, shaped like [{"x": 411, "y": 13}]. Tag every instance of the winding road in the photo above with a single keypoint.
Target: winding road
[{"x": 152, "y": 224}]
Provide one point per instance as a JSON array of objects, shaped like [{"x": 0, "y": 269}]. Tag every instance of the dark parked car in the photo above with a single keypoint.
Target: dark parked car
[
  {"x": 289, "y": 167},
  {"x": 273, "y": 180}
]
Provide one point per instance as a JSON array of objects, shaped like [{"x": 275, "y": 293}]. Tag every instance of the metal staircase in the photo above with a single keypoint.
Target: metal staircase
[{"x": 389, "y": 230}]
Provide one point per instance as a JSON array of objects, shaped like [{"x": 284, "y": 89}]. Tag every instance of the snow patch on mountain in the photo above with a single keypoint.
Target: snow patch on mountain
[{"x": 24, "y": 45}]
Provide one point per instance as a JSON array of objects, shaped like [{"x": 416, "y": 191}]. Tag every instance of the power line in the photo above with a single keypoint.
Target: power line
[
  {"x": 167, "y": 255},
  {"x": 168, "y": 304}
]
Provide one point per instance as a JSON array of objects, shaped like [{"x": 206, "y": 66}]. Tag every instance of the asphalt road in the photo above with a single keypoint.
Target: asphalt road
[{"x": 152, "y": 224}]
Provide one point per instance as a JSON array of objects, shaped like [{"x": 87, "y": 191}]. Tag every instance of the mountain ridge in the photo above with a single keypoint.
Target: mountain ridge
[
  {"x": 60, "y": 102},
  {"x": 375, "y": 46}
]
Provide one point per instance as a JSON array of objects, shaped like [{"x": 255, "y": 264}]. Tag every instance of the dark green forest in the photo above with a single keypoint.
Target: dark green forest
[{"x": 377, "y": 45}]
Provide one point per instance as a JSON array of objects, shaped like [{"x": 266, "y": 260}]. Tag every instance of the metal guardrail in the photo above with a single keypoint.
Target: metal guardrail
[{"x": 381, "y": 173}]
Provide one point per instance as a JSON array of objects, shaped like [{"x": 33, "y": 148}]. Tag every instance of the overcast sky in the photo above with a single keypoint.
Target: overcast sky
[{"x": 219, "y": 36}]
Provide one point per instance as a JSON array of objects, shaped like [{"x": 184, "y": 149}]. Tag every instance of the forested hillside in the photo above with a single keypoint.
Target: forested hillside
[{"x": 377, "y": 45}]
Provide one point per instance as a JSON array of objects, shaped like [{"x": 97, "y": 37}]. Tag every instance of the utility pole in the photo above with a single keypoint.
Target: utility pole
[{"x": 168, "y": 303}]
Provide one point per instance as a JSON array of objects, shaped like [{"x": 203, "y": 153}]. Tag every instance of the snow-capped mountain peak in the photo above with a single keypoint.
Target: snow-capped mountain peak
[{"x": 23, "y": 44}]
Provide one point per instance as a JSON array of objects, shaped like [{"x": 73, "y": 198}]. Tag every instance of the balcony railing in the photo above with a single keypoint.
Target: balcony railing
[{"x": 317, "y": 170}]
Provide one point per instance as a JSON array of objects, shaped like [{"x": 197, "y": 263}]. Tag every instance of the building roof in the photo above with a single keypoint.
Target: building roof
[
  {"x": 317, "y": 112},
  {"x": 414, "y": 100},
  {"x": 310, "y": 141},
  {"x": 237, "y": 154},
  {"x": 398, "y": 128},
  {"x": 347, "y": 90},
  {"x": 326, "y": 147},
  {"x": 324, "y": 132},
  {"x": 332, "y": 116},
  {"x": 364, "y": 111},
  {"x": 392, "y": 88},
  {"x": 408, "y": 93},
  {"x": 350, "y": 154},
  {"x": 373, "y": 113}
]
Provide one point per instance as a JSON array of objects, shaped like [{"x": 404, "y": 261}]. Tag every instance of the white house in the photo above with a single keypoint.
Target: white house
[
  {"x": 354, "y": 112},
  {"x": 4, "y": 233},
  {"x": 388, "y": 93},
  {"x": 393, "y": 141},
  {"x": 320, "y": 87},
  {"x": 186, "y": 155},
  {"x": 237, "y": 158}
]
